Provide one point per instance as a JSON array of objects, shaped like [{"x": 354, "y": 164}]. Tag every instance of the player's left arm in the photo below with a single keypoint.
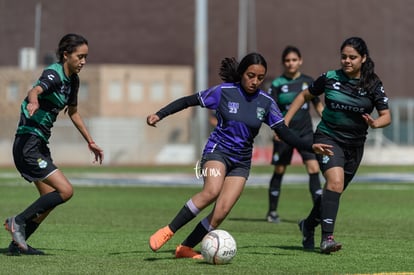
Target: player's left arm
[
  {"x": 80, "y": 125},
  {"x": 381, "y": 104},
  {"x": 383, "y": 120}
]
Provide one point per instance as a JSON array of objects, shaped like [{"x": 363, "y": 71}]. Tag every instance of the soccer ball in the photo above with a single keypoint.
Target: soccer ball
[{"x": 218, "y": 247}]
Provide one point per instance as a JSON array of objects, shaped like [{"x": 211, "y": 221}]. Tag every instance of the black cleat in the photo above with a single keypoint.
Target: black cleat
[
  {"x": 329, "y": 245},
  {"x": 308, "y": 241},
  {"x": 14, "y": 250}
]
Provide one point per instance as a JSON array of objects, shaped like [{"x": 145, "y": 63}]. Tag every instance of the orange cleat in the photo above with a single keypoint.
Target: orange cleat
[
  {"x": 159, "y": 238},
  {"x": 183, "y": 251}
]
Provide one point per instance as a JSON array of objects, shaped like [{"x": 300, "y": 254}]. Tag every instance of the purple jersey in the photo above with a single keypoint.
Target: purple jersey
[{"x": 239, "y": 117}]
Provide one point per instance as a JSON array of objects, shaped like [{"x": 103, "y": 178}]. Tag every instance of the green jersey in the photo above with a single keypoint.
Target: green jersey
[
  {"x": 345, "y": 103},
  {"x": 284, "y": 90},
  {"x": 59, "y": 91}
]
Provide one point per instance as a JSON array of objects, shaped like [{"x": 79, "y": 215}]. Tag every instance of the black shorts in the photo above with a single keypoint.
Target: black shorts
[
  {"x": 233, "y": 168},
  {"x": 283, "y": 152},
  {"x": 345, "y": 156},
  {"x": 32, "y": 157}
]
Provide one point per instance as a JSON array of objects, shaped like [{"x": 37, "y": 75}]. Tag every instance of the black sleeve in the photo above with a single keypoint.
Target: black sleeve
[
  {"x": 49, "y": 81},
  {"x": 318, "y": 86},
  {"x": 178, "y": 105},
  {"x": 380, "y": 99},
  {"x": 290, "y": 138}
]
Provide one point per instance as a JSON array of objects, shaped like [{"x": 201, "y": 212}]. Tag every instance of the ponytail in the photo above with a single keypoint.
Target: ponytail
[
  {"x": 369, "y": 79},
  {"x": 228, "y": 70}
]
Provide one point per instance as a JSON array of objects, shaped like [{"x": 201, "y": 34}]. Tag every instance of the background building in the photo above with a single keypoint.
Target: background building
[{"x": 141, "y": 50}]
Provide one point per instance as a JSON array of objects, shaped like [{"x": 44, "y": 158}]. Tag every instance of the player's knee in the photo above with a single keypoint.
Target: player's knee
[
  {"x": 312, "y": 166},
  {"x": 222, "y": 211},
  {"x": 336, "y": 186},
  {"x": 280, "y": 169},
  {"x": 67, "y": 193},
  {"x": 210, "y": 194}
]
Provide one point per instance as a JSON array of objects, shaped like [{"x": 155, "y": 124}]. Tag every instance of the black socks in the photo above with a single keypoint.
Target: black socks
[
  {"x": 315, "y": 186},
  {"x": 183, "y": 217},
  {"x": 41, "y": 205},
  {"x": 196, "y": 236},
  {"x": 30, "y": 228},
  {"x": 274, "y": 191},
  {"x": 330, "y": 206}
]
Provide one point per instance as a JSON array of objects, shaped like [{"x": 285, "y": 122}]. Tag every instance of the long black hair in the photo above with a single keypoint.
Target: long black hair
[
  {"x": 231, "y": 70},
  {"x": 69, "y": 43},
  {"x": 369, "y": 79}
]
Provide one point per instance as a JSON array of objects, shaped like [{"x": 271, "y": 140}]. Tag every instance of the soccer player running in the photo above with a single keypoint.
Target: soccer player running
[
  {"x": 284, "y": 89},
  {"x": 351, "y": 94},
  {"x": 56, "y": 89},
  {"x": 241, "y": 107}
]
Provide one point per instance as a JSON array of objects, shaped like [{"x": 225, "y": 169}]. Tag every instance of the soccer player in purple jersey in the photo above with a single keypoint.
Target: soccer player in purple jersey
[{"x": 241, "y": 108}]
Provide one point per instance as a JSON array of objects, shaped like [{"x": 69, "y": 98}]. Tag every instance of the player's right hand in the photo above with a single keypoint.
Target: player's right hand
[
  {"x": 322, "y": 149},
  {"x": 32, "y": 107},
  {"x": 152, "y": 120},
  {"x": 276, "y": 137}
]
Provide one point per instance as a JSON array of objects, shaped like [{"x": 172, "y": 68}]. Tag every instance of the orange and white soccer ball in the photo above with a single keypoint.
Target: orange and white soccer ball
[{"x": 218, "y": 247}]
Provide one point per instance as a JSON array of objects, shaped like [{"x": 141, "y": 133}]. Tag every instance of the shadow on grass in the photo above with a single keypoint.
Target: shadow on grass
[
  {"x": 162, "y": 255},
  {"x": 169, "y": 254},
  {"x": 281, "y": 247},
  {"x": 5, "y": 251},
  {"x": 260, "y": 220}
]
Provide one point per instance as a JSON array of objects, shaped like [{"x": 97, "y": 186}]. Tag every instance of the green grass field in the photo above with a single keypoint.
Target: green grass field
[{"x": 105, "y": 230}]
